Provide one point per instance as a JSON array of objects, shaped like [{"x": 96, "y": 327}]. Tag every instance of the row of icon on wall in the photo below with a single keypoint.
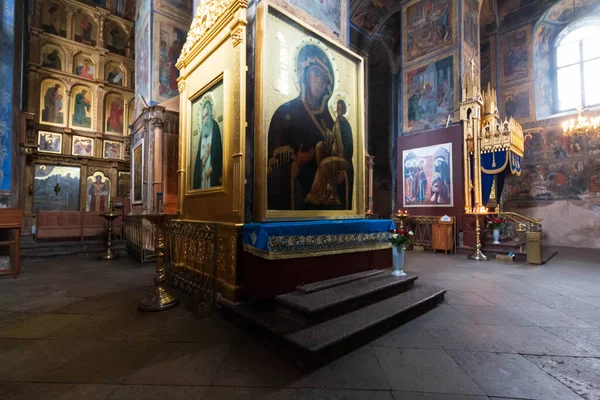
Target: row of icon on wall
[
  {"x": 51, "y": 142},
  {"x": 83, "y": 65}
]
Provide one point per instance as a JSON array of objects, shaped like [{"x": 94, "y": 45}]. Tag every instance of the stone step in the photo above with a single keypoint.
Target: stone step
[
  {"x": 384, "y": 314},
  {"x": 50, "y": 249},
  {"x": 332, "y": 302},
  {"x": 311, "y": 346},
  {"x": 317, "y": 286}
]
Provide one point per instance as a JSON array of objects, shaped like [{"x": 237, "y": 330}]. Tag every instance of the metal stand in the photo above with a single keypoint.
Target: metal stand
[
  {"x": 109, "y": 255},
  {"x": 478, "y": 255},
  {"x": 159, "y": 299}
]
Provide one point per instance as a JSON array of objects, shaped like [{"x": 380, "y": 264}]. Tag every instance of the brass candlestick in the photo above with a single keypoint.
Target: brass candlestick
[
  {"x": 478, "y": 255},
  {"x": 401, "y": 215},
  {"x": 110, "y": 217},
  {"x": 159, "y": 299}
]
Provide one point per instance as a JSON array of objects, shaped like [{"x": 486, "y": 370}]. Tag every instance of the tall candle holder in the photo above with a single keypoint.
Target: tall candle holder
[
  {"x": 401, "y": 215},
  {"x": 110, "y": 216}
]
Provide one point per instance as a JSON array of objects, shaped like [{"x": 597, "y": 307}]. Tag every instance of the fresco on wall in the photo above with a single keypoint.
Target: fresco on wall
[
  {"x": 123, "y": 183},
  {"x": 517, "y": 102},
  {"x": 7, "y": 19},
  {"x": 114, "y": 73},
  {"x": 515, "y": 55},
  {"x": 85, "y": 29},
  {"x": 428, "y": 26},
  {"x": 124, "y": 9},
  {"x": 471, "y": 24},
  {"x": 568, "y": 10},
  {"x": 169, "y": 37},
  {"x": 116, "y": 38},
  {"x": 97, "y": 192},
  {"x": 427, "y": 176},
  {"x": 52, "y": 57},
  {"x": 49, "y": 178},
  {"x": 84, "y": 66},
  {"x": 369, "y": 14},
  {"x": 328, "y": 17},
  {"x": 181, "y": 9},
  {"x": 82, "y": 114},
  {"x": 142, "y": 65},
  {"x": 488, "y": 62},
  {"x": 429, "y": 94},
  {"x": 487, "y": 18},
  {"x": 114, "y": 109},
  {"x": 54, "y": 19},
  {"x": 52, "y": 102},
  {"x": 544, "y": 93}
]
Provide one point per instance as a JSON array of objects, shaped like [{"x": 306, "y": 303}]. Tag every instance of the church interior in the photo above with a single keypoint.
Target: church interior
[{"x": 300, "y": 199}]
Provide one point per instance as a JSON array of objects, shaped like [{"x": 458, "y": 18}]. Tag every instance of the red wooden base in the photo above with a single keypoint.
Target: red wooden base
[{"x": 262, "y": 279}]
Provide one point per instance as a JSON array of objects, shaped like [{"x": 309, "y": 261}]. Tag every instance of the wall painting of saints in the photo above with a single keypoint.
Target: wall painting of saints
[
  {"x": 84, "y": 66},
  {"x": 329, "y": 17},
  {"x": 98, "y": 192},
  {"x": 113, "y": 150},
  {"x": 427, "y": 176},
  {"x": 85, "y": 29},
  {"x": 115, "y": 38},
  {"x": 142, "y": 65},
  {"x": 169, "y": 38},
  {"x": 124, "y": 9},
  {"x": 471, "y": 24},
  {"x": 124, "y": 184},
  {"x": 83, "y": 146},
  {"x": 114, "y": 73},
  {"x": 50, "y": 142},
  {"x": 82, "y": 115},
  {"x": 138, "y": 172},
  {"x": 429, "y": 94},
  {"x": 428, "y": 26},
  {"x": 182, "y": 9},
  {"x": 515, "y": 56},
  {"x": 312, "y": 117},
  {"x": 52, "y": 57},
  {"x": 48, "y": 178},
  {"x": 518, "y": 102},
  {"x": 52, "y": 102},
  {"x": 54, "y": 19},
  {"x": 206, "y": 142},
  {"x": 115, "y": 119}
]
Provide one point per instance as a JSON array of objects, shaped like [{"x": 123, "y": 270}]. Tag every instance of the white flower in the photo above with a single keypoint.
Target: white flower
[
  {"x": 410, "y": 233},
  {"x": 395, "y": 236}
]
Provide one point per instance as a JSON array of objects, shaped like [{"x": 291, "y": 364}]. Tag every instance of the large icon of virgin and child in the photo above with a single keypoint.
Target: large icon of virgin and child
[{"x": 309, "y": 150}]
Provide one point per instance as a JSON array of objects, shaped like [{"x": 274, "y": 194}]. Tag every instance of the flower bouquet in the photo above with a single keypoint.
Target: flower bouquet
[
  {"x": 495, "y": 223},
  {"x": 399, "y": 239}
]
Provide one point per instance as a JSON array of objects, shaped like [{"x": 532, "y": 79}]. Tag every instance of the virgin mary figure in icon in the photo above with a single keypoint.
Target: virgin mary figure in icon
[{"x": 310, "y": 154}]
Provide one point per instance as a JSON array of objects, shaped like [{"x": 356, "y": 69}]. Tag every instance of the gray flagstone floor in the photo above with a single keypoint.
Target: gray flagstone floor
[{"x": 70, "y": 329}]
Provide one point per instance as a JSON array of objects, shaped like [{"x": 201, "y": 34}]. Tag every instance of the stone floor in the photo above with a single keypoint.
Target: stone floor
[{"x": 69, "y": 329}]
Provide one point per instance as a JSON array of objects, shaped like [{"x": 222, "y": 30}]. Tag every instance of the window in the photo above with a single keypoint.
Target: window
[{"x": 578, "y": 65}]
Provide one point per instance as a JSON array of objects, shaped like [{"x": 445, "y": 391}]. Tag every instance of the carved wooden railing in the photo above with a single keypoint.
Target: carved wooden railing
[
  {"x": 191, "y": 260},
  {"x": 139, "y": 235}
]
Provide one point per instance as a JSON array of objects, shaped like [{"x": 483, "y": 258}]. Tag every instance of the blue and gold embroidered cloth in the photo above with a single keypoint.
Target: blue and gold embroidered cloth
[{"x": 311, "y": 238}]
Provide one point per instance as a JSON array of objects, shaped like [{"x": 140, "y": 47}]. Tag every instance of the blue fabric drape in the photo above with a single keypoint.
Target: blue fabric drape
[{"x": 492, "y": 164}]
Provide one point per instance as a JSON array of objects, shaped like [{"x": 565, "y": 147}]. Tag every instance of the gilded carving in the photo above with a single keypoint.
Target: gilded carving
[
  {"x": 237, "y": 36},
  {"x": 207, "y": 15},
  {"x": 181, "y": 86}
]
